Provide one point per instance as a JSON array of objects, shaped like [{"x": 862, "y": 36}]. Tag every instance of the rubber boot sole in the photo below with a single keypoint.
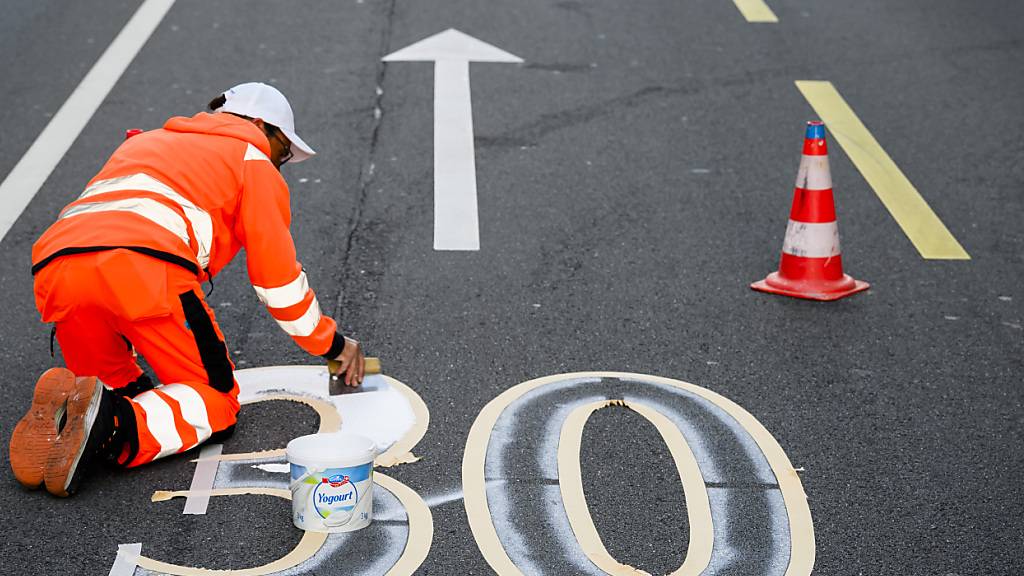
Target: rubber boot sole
[
  {"x": 62, "y": 464},
  {"x": 36, "y": 433}
]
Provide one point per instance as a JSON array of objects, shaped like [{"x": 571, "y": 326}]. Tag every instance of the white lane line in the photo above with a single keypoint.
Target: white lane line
[
  {"x": 202, "y": 480},
  {"x": 31, "y": 172},
  {"x": 456, "y": 218}
]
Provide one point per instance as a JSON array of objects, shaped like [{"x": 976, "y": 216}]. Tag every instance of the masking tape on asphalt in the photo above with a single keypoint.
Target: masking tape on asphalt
[
  {"x": 479, "y": 515},
  {"x": 310, "y": 543},
  {"x": 421, "y": 525},
  {"x": 165, "y": 495},
  {"x": 421, "y": 534},
  {"x": 202, "y": 480},
  {"x": 127, "y": 560},
  {"x": 401, "y": 452},
  {"x": 330, "y": 421},
  {"x": 698, "y": 506},
  {"x": 695, "y": 492},
  {"x": 570, "y": 483},
  {"x": 698, "y": 551}
]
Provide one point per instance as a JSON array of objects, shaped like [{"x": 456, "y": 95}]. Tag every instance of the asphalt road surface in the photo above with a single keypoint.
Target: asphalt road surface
[{"x": 634, "y": 176}]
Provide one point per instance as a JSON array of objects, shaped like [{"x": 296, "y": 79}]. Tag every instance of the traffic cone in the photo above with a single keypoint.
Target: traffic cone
[{"x": 812, "y": 266}]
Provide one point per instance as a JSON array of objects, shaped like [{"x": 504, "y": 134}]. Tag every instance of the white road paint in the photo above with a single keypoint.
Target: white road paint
[
  {"x": 504, "y": 431},
  {"x": 698, "y": 441},
  {"x": 31, "y": 172},
  {"x": 274, "y": 468},
  {"x": 380, "y": 413},
  {"x": 547, "y": 462},
  {"x": 398, "y": 513},
  {"x": 456, "y": 217}
]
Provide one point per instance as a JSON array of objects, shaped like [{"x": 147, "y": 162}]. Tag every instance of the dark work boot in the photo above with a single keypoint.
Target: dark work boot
[
  {"x": 136, "y": 387},
  {"x": 37, "y": 431},
  {"x": 93, "y": 418}
]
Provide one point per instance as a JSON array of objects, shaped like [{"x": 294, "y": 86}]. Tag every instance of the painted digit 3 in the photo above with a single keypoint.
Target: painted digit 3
[
  {"x": 308, "y": 385},
  {"x": 737, "y": 480}
]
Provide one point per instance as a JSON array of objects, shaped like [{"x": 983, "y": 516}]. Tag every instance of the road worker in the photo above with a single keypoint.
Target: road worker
[{"x": 119, "y": 273}]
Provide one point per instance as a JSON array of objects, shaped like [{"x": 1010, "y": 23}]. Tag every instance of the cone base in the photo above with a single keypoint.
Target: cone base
[{"x": 825, "y": 292}]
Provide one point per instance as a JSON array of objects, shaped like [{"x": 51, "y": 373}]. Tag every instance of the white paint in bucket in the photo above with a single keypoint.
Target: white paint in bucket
[{"x": 331, "y": 481}]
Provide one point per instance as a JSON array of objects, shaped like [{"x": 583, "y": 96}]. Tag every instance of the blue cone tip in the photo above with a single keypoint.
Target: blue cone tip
[{"x": 815, "y": 130}]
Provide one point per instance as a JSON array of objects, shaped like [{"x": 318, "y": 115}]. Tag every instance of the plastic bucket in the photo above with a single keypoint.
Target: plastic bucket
[{"x": 331, "y": 481}]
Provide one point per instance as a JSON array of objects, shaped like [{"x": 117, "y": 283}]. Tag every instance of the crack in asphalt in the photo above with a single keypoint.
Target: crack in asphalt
[
  {"x": 530, "y": 134},
  {"x": 368, "y": 169}
]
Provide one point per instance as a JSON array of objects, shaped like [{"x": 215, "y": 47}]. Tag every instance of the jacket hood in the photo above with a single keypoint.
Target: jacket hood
[{"x": 221, "y": 124}]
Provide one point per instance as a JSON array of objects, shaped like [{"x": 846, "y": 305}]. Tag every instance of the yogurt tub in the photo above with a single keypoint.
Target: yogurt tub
[{"x": 331, "y": 481}]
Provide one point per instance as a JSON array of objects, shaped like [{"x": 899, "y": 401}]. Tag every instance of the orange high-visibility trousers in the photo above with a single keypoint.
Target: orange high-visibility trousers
[{"x": 105, "y": 303}]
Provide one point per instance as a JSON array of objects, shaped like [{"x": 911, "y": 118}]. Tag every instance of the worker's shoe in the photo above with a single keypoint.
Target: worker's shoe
[
  {"x": 135, "y": 387},
  {"x": 37, "y": 431},
  {"x": 90, "y": 432}
]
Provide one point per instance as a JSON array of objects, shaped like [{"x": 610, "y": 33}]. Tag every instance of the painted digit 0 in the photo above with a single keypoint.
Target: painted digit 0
[{"x": 573, "y": 398}]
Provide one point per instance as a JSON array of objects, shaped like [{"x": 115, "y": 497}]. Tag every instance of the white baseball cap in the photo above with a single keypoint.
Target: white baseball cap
[{"x": 259, "y": 100}]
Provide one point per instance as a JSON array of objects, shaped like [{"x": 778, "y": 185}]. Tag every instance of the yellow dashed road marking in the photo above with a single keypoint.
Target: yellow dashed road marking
[
  {"x": 756, "y": 11},
  {"x": 928, "y": 234}
]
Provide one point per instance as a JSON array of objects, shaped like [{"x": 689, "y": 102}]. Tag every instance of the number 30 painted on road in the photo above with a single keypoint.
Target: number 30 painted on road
[{"x": 650, "y": 397}]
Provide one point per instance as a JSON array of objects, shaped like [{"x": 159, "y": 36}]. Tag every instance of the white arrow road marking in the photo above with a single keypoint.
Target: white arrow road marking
[
  {"x": 28, "y": 176},
  {"x": 456, "y": 221}
]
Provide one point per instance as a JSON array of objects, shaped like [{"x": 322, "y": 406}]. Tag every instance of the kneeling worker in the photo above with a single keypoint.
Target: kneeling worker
[{"x": 120, "y": 272}]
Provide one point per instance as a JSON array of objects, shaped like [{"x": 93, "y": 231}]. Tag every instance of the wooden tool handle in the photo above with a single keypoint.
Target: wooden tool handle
[{"x": 371, "y": 366}]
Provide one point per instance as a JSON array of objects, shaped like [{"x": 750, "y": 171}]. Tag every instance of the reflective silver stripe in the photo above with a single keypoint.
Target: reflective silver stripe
[
  {"x": 201, "y": 222},
  {"x": 160, "y": 421},
  {"x": 145, "y": 207},
  {"x": 814, "y": 173},
  {"x": 305, "y": 324},
  {"x": 193, "y": 409},
  {"x": 284, "y": 296},
  {"x": 811, "y": 240},
  {"x": 254, "y": 153}
]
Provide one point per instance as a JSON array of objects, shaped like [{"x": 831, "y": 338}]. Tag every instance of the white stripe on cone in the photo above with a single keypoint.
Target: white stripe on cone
[
  {"x": 814, "y": 173},
  {"x": 811, "y": 240}
]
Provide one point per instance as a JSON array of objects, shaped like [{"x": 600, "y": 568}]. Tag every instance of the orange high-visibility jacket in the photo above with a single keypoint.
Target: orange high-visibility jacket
[{"x": 193, "y": 194}]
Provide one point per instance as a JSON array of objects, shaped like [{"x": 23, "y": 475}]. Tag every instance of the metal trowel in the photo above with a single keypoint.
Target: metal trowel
[{"x": 337, "y": 382}]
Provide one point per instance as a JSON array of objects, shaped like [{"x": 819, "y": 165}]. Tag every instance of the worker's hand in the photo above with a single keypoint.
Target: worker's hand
[{"x": 352, "y": 362}]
